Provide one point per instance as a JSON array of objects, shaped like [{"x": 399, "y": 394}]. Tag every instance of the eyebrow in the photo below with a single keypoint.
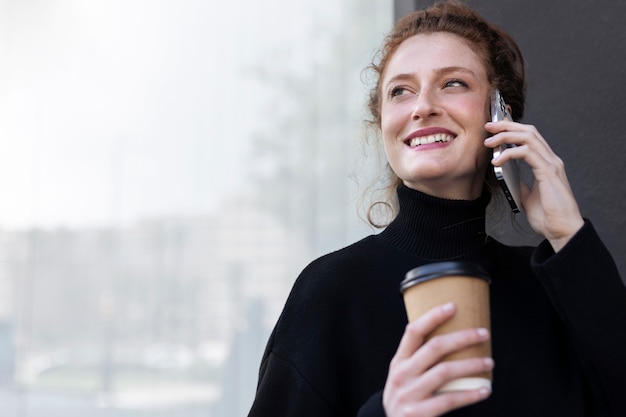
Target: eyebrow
[{"x": 438, "y": 71}]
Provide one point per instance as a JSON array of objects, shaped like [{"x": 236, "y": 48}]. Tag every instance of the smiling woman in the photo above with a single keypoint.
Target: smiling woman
[
  {"x": 449, "y": 85},
  {"x": 343, "y": 346}
]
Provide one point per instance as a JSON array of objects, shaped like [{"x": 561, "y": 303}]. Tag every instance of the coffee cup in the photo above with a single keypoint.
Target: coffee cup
[{"x": 465, "y": 284}]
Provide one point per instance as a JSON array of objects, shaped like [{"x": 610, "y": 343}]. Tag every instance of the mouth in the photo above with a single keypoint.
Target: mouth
[{"x": 429, "y": 139}]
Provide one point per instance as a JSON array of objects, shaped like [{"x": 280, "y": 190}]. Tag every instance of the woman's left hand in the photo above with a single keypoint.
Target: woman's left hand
[{"x": 550, "y": 205}]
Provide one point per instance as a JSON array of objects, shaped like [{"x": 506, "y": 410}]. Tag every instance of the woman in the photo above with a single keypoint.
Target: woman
[{"x": 342, "y": 346}]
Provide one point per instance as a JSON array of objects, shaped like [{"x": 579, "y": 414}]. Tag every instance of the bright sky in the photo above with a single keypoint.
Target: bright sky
[{"x": 112, "y": 110}]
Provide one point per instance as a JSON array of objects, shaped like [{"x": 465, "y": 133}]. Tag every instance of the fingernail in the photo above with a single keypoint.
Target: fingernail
[
  {"x": 484, "y": 392},
  {"x": 488, "y": 363},
  {"x": 483, "y": 333},
  {"x": 448, "y": 307}
]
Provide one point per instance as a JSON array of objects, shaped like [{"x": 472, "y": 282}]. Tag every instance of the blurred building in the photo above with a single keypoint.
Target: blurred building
[{"x": 167, "y": 297}]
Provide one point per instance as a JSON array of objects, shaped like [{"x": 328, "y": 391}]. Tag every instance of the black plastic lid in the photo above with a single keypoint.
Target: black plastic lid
[{"x": 442, "y": 269}]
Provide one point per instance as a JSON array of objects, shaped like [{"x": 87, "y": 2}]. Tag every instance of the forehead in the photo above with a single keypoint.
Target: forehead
[{"x": 430, "y": 51}]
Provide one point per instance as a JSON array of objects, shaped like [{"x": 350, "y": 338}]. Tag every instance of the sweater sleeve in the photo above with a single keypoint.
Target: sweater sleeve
[
  {"x": 329, "y": 353},
  {"x": 585, "y": 287},
  {"x": 283, "y": 392}
]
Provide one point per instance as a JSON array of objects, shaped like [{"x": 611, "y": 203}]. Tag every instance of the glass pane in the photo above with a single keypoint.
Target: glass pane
[{"x": 167, "y": 168}]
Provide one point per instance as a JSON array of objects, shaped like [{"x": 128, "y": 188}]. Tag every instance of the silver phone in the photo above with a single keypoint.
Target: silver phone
[{"x": 508, "y": 174}]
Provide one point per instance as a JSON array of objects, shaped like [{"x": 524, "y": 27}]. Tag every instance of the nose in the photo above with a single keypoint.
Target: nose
[{"x": 425, "y": 105}]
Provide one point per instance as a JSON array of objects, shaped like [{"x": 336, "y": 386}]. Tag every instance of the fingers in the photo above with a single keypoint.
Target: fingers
[
  {"x": 531, "y": 146},
  {"x": 513, "y": 133},
  {"x": 550, "y": 205},
  {"x": 445, "y": 372},
  {"x": 416, "y": 331},
  {"x": 511, "y": 127},
  {"x": 439, "y": 404},
  {"x": 443, "y": 403},
  {"x": 439, "y": 346},
  {"x": 416, "y": 372},
  {"x": 416, "y": 396},
  {"x": 425, "y": 369}
]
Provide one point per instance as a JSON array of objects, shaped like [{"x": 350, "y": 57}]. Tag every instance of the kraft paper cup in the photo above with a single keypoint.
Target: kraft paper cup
[{"x": 467, "y": 286}]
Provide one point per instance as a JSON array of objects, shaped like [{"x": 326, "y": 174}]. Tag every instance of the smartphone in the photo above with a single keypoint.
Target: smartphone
[{"x": 508, "y": 174}]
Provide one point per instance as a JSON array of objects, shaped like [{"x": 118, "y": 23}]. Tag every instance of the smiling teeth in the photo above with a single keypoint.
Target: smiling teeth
[{"x": 439, "y": 137}]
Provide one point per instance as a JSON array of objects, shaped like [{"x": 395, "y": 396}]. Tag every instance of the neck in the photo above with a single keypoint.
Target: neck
[
  {"x": 438, "y": 229},
  {"x": 468, "y": 188}
]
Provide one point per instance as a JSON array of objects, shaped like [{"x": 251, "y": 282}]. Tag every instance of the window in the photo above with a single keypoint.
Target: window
[{"x": 166, "y": 170}]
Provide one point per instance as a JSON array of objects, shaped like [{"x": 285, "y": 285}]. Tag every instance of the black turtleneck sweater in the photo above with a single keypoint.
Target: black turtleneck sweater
[{"x": 558, "y": 320}]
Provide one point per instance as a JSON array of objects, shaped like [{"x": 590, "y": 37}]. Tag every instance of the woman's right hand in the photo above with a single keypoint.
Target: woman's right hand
[{"x": 416, "y": 371}]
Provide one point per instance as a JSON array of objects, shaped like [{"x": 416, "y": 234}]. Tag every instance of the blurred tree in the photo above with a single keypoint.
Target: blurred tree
[{"x": 302, "y": 159}]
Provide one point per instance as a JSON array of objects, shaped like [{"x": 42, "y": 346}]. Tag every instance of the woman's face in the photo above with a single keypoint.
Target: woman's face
[{"x": 435, "y": 102}]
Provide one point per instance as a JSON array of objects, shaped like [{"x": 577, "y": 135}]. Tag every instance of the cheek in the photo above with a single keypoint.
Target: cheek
[
  {"x": 392, "y": 119},
  {"x": 389, "y": 134},
  {"x": 387, "y": 141},
  {"x": 474, "y": 109},
  {"x": 483, "y": 158},
  {"x": 388, "y": 126},
  {"x": 474, "y": 118}
]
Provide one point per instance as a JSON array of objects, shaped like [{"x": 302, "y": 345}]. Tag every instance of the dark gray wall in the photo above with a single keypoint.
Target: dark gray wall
[{"x": 575, "y": 52}]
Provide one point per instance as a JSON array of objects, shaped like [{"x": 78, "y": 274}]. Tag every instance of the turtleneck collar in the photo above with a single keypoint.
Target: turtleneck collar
[{"x": 438, "y": 229}]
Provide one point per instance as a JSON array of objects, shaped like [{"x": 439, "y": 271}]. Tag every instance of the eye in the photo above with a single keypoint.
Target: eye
[
  {"x": 455, "y": 83},
  {"x": 398, "y": 91}
]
